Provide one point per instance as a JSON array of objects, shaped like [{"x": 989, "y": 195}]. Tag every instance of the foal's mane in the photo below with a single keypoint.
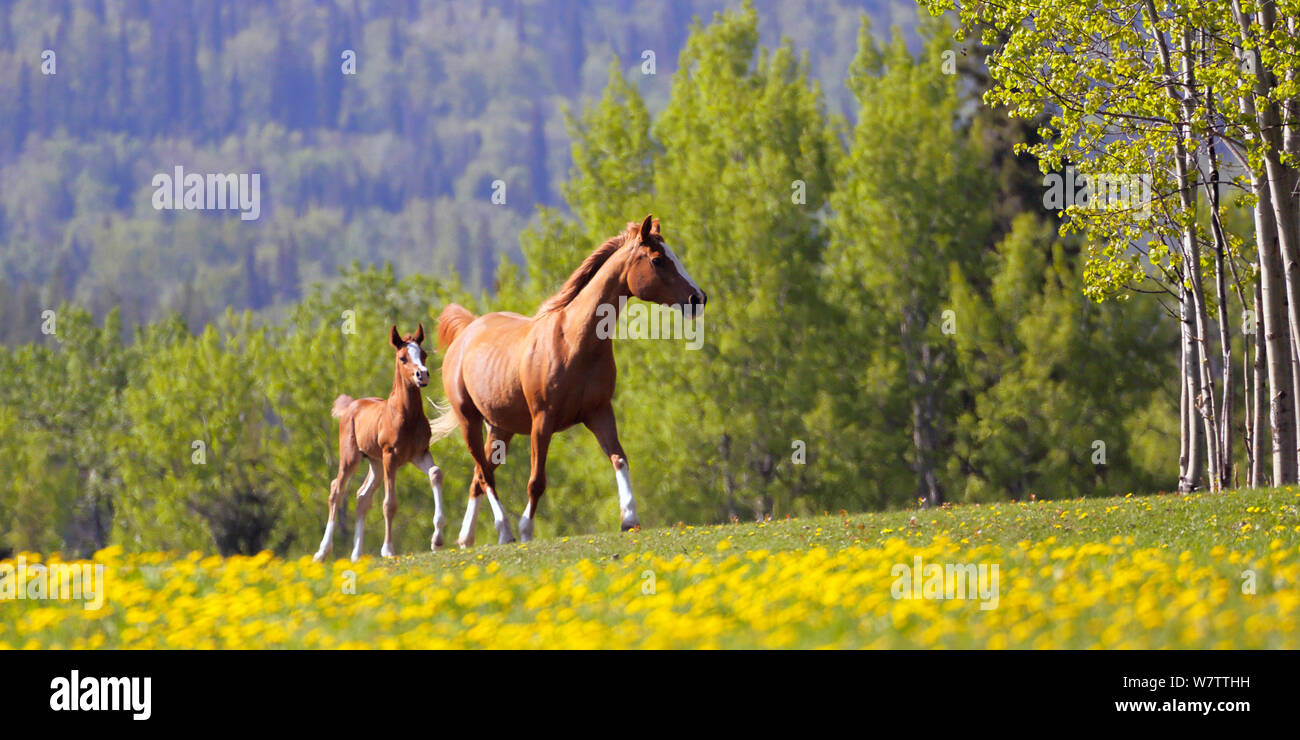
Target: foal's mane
[{"x": 586, "y": 271}]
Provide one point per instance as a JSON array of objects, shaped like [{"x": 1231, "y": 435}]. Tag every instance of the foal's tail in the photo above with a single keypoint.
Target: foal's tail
[
  {"x": 454, "y": 318},
  {"x": 446, "y": 423},
  {"x": 341, "y": 405}
]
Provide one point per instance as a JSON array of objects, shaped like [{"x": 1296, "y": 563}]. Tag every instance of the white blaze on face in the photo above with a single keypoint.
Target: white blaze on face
[
  {"x": 413, "y": 352},
  {"x": 681, "y": 269}
]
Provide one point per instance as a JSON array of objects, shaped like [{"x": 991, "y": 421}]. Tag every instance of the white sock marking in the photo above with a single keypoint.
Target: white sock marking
[
  {"x": 467, "y": 527},
  {"x": 438, "y": 518},
  {"x": 357, "y": 539},
  {"x": 526, "y": 523},
  {"x": 626, "y": 504},
  {"x": 363, "y": 507},
  {"x": 327, "y": 541},
  {"x": 499, "y": 516},
  {"x": 498, "y": 513}
]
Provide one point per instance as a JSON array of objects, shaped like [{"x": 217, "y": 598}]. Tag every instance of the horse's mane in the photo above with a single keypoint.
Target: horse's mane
[{"x": 585, "y": 272}]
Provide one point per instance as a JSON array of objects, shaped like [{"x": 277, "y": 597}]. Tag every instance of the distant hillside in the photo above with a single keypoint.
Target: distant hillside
[{"x": 393, "y": 163}]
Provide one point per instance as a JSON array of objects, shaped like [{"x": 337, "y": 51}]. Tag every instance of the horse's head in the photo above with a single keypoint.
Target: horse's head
[
  {"x": 410, "y": 355},
  {"x": 654, "y": 273}
]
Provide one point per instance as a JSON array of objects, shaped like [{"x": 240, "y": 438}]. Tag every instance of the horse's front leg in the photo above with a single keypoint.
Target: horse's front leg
[
  {"x": 541, "y": 442},
  {"x": 426, "y": 466},
  {"x": 390, "y": 503},
  {"x": 602, "y": 425}
]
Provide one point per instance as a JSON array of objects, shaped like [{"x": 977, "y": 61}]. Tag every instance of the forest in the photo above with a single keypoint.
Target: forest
[
  {"x": 898, "y": 313},
  {"x": 393, "y": 160}
]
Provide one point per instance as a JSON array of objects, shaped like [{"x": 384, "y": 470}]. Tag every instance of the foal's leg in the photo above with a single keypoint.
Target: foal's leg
[
  {"x": 425, "y": 464},
  {"x": 347, "y": 464},
  {"x": 498, "y": 441},
  {"x": 390, "y": 504},
  {"x": 541, "y": 442},
  {"x": 602, "y": 425},
  {"x": 365, "y": 496}
]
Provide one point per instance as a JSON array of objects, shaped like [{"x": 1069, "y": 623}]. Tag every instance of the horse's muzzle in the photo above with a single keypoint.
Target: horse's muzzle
[{"x": 697, "y": 302}]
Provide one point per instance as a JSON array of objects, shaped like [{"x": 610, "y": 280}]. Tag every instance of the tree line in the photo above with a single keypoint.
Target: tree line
[
  {"x": 892, "y": 318},
  {"x": 1203, "y": 100}
]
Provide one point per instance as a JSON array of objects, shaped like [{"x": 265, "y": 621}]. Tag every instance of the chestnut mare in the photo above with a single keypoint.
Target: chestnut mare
[
  {"x": 541, "y": 375},
  {"x": 390, "y": 433}
]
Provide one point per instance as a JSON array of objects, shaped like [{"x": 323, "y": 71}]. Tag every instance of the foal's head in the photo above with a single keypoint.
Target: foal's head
[
  {"x": 654, "y": 273},
  {"x": 410, "y": 356}
]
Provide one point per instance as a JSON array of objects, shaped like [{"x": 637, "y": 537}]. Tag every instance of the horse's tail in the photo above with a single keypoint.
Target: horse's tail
[
  {"x": 341, "y": 405},
  {"x": 453, "y": 319},
  {"x": 446, "y": 423}
]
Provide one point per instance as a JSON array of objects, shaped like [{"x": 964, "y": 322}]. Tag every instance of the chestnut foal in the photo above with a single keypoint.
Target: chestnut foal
[{"x": 389, "y": 432}]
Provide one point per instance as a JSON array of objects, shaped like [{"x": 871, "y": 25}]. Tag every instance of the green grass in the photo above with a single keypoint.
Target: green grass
[{"x": 1246, "y": 520}]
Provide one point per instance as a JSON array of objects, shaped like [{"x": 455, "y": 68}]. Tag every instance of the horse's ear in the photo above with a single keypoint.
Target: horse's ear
[
  {"x": 647, "y": 227},
  {"x": 394, "y": 338},
  {"x": 419, "y": 334},
  {"x": 654, "y": 226}
]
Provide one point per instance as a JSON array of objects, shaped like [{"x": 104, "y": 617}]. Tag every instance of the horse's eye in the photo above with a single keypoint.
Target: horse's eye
[
  {"x": 403, "y": 360},
  {"x": 657, "y": 261}
]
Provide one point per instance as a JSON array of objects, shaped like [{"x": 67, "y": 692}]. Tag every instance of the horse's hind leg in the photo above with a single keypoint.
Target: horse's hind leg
[
  {"x": 390, "y": 504},
  {"x": 541, "y": 442},
  {"x": 347, "y": 464},
  {"x": 494, "y": 453},
  {"x": 484, "y": 483},
  {"x": 466, "y": 538},
  {"x": 365, "y": 497}
]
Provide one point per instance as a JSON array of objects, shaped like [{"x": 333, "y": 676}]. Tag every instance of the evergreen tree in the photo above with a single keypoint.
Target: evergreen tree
[{"x": 910, "y": 205}]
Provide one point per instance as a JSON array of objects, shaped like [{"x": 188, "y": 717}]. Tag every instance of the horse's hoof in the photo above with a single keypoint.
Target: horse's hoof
[
  {"x": 435, "y": 544},
  {"x": 464, "y": 544},
  {"x": 504, "y": 535},
  {"x": 629, "y": 524},
  {"x": 318, "y": 557},
  {"x": 387, "y": 552}
]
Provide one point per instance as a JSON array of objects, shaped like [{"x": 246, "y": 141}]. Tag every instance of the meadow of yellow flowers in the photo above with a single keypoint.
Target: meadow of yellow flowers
[{"x": 1217, "y": 572}]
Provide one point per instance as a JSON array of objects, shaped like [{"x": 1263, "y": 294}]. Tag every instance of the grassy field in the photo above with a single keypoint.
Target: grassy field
[{"x": 1196, "y": 571}]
